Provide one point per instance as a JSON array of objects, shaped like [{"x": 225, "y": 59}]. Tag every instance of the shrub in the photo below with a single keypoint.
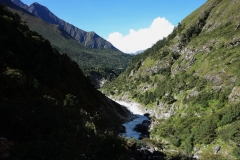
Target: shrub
[
  {"x": 236, "y": 152},
  {"x": 70, "y": 100}
]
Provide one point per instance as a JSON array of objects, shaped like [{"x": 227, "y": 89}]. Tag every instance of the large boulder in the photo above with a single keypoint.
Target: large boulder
[
  {"x": 146, "y": 123},
  {"x": 142, "y": 128}
]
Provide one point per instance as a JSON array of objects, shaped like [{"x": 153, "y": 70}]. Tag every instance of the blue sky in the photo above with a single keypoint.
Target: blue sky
[{"x": 121, "y": 20}]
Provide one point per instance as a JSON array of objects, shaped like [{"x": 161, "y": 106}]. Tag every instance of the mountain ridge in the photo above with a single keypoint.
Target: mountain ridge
[
  {"x": 89, "y": 39},
  {"x": 106, "y": 63},
  {"x": 20, "y": 4}
]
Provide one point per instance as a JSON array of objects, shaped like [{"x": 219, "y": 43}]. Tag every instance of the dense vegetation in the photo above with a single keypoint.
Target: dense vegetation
[
  {"x": 189, "y": 82},
  {"x": 49, "y": 109},
  {"x": 108, "y": 63}
]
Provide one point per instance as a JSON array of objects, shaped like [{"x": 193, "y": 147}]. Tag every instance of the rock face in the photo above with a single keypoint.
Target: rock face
[
  {"x": 20, "y": 4},
  {"x": 235, "y": 94},
  {"x": 89, "y": 39},
  {"x": 216, "y": 149}
]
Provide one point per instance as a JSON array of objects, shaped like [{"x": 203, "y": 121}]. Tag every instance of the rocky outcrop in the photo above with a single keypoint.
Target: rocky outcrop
[
  {"x": 235, "y": 40},
  {"x": 235, "y": 95},
  {"x": 144, "y": 152},
  {"x": 162, "y": 110},
  {"x": 137, "y": 66},
  {"x": 161, "y": 66},
  {"x": 216, "y": 149},
  {"x": 132, "y": 73}
]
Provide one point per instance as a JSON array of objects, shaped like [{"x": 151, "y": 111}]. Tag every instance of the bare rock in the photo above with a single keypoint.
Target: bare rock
[
  {"x": 216, "y": 149},
  {"x": 132, "y": 73},
  {"x": 235, "y": 94}
]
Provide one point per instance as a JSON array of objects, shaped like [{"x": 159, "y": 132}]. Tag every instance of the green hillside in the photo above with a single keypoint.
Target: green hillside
[
  {"x": 85, "y": 57},
  {"x": 106, "y": 63},
  {"x": 190, "y": 83},
  {"x": 49, "y": 109}
]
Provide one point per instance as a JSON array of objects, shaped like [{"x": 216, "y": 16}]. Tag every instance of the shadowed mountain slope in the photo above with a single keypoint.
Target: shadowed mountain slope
[
  {"x": 20, "y": 4},
  {"x": 49, "y": 109}
]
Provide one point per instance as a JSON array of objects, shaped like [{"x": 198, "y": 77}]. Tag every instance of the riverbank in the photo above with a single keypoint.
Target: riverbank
[{"x": 134, "y": 107}]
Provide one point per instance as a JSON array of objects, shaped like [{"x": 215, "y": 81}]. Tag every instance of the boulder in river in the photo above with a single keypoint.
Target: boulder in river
[
  {"x": 146, "y": 123},
  {"x": 147, "y": 115},
  {"x": 142, "y": 128}
]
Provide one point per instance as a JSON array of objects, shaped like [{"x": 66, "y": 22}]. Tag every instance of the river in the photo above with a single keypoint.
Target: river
[{"x": 139, "y": 117}]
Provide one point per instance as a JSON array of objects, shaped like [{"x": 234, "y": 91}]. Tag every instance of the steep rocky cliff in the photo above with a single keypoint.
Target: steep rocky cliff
[{"x": 189, "y": 83}]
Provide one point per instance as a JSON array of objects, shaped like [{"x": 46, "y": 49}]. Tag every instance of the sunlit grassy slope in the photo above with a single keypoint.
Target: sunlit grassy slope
[{"x": 190, "y": 82}]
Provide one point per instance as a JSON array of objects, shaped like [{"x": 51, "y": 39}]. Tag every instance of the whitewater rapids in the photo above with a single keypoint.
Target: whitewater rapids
[{"x": 139, "y": 117}]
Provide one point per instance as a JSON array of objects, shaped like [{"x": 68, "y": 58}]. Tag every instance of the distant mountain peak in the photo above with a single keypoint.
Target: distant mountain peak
[
  {"x": 89, "y": 39},
  {"x": 137, "y": 52},
  {"x": 43, "y": 12},
  {"x": 36, "y": 4}
]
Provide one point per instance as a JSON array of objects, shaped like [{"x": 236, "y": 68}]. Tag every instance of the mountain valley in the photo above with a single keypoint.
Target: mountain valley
[
  {"x": 98, "y": 59},
  {"x": 187, "y": 84},
  {"x": 49, "y": 109}
]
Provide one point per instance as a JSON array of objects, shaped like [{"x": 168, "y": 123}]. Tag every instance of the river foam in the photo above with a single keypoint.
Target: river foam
[{"x": 139, "y": 117}]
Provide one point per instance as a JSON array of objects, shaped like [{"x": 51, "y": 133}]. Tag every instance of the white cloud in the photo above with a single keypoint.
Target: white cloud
[{"x": 142, "y": 38}]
